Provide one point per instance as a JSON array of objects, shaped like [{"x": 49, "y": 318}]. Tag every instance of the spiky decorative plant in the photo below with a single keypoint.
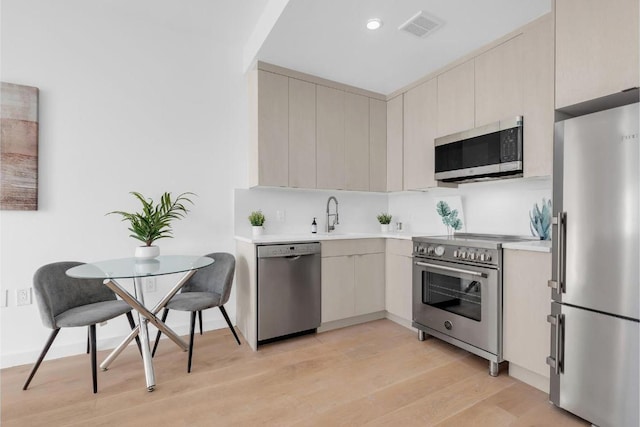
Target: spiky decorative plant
[
  {"x": 449, "y": 216},
  {"x": 540, "y": 220},
  {"x": 384, "y": 218},
  {"x": 154, "y": 221},
  {"x": 257, "y": 218}
]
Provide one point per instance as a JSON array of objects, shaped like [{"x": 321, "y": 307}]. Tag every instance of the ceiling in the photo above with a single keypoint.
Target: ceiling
[{"x": 328, "y": 38}]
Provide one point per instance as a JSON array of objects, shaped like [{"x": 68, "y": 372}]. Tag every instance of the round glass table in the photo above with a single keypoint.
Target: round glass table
[{"x": 137, "y": 269}]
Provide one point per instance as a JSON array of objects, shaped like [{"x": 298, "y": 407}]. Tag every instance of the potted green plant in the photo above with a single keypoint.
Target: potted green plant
[
  {"x": 257, "y": 219},
  {"x": 153, "y": 222},
  {"x": 384, "y": 219}
]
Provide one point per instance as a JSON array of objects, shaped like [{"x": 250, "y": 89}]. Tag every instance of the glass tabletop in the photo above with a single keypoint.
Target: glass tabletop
[{"x": 134, "y": 267}]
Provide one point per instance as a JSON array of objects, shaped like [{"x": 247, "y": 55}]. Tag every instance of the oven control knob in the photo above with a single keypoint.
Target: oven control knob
[
  {"x": 487, "y": 257},
  {"x": 455, "y": 253},
  {"x": 430, "y": 250},
  {"x": 472, "y": 256},
  {"x": 448, "y": 325},
  {"x": 422, "y": 250},
  {"x": 483, "y": 257},
  {"x": 463, "y": 254},
  {"x": 439, "y": 250}
]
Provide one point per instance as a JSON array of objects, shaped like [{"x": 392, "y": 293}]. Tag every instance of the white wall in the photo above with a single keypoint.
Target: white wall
[{"x": 146, "y": 95}]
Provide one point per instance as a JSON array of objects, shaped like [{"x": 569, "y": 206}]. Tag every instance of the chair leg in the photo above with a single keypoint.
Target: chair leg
[
  {"x": 133, "y": 326},
  {"x": 200, "y": 320},
  {"x": 88, "y": 342},
  {"x": 52, "y": 337},
  {"x": 193, "y": 326},
  {"x": 165, "y": 313},
  {"x": 94, "y": 370},
  {"x": 226, "y": 317}
]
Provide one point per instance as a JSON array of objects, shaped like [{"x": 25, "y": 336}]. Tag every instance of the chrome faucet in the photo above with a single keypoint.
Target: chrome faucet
[{"x": 331, "y": 227}]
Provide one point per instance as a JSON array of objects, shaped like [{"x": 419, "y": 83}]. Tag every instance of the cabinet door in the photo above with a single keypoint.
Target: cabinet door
[
  {"x": 398, "y": 285},
  {"x": 330, "y": 138},
  {"x": 356, "y": 142},
  {"x": 369, "y": 283},
  {"x": 420, "y": 112},
  {"x": 338, "y": 288},
  {"x": 538, "y": 75},
  {"x": 377, "y": 145},
  {"x": 498, "y": 82},
  {"x": 526, "y": 305},
  {"x": 597, "y": 49},
  {"x": 395, "y": 159},
  {"x": 273, "y": 129},
  {"x": 302, "y": 134},
  {"x": 456, "y": 99}
]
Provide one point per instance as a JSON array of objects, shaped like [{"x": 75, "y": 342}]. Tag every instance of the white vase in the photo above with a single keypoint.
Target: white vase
[
  {"x": 384, "y": 228},
  {"x": 147, "y": 252},
  {"x": 257, "y": 230}
]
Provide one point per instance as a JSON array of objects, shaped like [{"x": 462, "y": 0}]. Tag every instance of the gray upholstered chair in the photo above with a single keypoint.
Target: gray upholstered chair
[
  {"x": 67, "y": 302},
  {"x": 209, "y": 287}
]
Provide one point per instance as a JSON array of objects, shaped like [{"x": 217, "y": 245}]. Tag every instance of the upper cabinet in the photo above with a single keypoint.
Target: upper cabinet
[
  {"x": 499, "y": 82},
  {"x": 395, "y": 137},
  {"x": 377, "y": 145},
  {"x": 597, "y": 49},
  {"x": 330, "y": 152},
  {"x": 269, "y": 152},
  {"x": 311, "y": 133},
  {"x": 456, "y": 99},
  {"x": 302, "y": 134},
  {"x": 420, "y": 115}
]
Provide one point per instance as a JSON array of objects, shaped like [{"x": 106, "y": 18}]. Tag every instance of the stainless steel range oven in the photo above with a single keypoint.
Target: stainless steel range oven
[{"x": 457, "y": 292}]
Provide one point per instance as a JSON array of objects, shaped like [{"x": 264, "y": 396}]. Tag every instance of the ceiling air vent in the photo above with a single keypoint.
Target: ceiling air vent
[{"x": 421, "y": 24}]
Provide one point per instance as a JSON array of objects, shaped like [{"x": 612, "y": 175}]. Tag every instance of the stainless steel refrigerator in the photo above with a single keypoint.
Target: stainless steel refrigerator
[{"x": 596, "y": 267}]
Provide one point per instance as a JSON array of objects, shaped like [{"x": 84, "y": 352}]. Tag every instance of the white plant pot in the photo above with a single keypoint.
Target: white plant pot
[
  {"x": 147, "y": 252},
  {"x": 257, "y": 230},
  {"x": 384, "y": 228}
]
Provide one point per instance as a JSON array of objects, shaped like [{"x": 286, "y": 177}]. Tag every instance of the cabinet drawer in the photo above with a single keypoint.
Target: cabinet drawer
[
  {"x": 400, "y": 247},
  {"x": 333, "y": 248}
]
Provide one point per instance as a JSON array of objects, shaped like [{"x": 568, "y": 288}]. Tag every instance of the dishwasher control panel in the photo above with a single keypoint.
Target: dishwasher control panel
[{"x": 288, "y": 249}]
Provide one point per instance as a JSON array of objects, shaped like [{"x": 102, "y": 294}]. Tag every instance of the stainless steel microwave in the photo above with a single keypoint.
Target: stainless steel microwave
[{"x": 487, "y": 152}]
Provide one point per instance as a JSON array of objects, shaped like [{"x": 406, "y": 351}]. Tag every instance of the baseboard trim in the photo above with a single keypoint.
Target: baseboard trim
[
  {"x": 529, "y": 377},
  {"x": 350, "y": 321}
]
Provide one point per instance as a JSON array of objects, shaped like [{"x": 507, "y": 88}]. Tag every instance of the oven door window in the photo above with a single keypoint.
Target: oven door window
[{"x": 453, "y": 294}]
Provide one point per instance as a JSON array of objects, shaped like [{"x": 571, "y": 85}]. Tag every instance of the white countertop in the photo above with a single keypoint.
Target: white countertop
[
  {"x": 309, "y": 237},
  {"x": 530, "y": 245}
]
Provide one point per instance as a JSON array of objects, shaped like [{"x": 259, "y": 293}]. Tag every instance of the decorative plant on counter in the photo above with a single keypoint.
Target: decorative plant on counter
[
  {"x": 384, "y": 218},
  {"x": 449, "y": 216},
  {"x": 154, "y": 221},
  {"x": 256, "y": 218},
  {"x": 540, "y": 220}
]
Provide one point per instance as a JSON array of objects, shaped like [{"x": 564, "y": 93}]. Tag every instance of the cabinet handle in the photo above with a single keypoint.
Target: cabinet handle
[
  {"x": 555, "y": 361},
  {"x": 560, "y": 221}
]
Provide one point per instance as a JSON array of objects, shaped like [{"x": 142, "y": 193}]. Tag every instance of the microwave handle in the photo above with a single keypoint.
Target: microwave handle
[{"x": 453, "y": 269}]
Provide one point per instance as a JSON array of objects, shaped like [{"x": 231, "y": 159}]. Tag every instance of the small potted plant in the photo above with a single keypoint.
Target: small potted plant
[
  {"x": 257, "y": 221},
  {"x": 154, "y": 221},
  {"x": 384, "y": 219}
]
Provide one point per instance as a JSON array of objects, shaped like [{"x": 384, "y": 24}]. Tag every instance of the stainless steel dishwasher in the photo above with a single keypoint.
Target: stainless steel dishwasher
[{"x": 289, "y": 295}]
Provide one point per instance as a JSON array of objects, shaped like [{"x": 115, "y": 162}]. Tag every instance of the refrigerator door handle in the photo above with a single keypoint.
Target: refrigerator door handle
[
  {"x": 558, "y": 284},
  {"x": 556, "y": 361}
]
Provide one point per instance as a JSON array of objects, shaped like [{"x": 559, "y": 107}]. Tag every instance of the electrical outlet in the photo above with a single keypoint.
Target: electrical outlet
[
  {"x": 150, "y": 284},
  {"x": 281, "y": 215},
  {"x": 23, "y": 296},
  {"x": 4, "y": 300}
]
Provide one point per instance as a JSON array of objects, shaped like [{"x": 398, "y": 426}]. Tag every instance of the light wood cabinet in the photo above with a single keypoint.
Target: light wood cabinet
[
  {"x": 395, "y": 137},
  {"x": 456, "y": 99},
  {"x": 420, "y": 113},
  {"x": 398, "y": 281},
  {"x": 356, "y": 142},
  {"x": 527, "y": 302},
  {"x": 597, "y": 49},
  {"x": 269, "y": 149},
  {"x": 499, "y": 83},
  {"x": 302, "y": 134},
  {"x": 353, "y": 274},
  {"x": 330, "y": 151},
  {"x": 377, "y": 145},
  {"x": 538, "y": 97}
]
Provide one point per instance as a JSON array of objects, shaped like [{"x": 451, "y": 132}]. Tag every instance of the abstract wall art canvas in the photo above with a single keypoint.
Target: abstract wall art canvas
[{"x": 18, "y": 147}]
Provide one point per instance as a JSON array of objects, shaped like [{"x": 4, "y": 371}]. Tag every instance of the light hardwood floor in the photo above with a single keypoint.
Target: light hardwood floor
[{"x": 376, "y": 373}]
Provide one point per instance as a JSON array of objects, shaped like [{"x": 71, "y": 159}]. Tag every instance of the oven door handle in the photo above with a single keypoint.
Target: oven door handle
[{"x": 453, "y": 269}]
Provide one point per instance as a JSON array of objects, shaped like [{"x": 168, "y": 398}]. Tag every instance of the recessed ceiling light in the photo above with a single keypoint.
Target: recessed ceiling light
[{"x": 374, "y": 24}]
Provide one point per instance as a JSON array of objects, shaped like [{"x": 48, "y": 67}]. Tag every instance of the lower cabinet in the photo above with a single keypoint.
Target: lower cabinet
[
  {"x": 398, "y": 275},
  {"x": 353, "y": 278},
  {"x": 527, "y": 302}
]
